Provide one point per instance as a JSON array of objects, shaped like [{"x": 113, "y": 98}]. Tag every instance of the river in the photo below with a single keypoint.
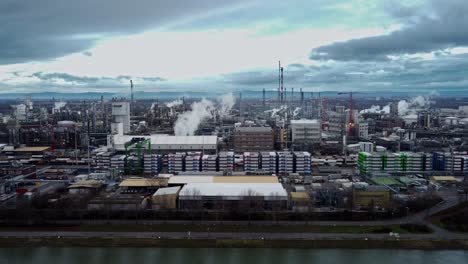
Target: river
[{"x": 224, "y": 256}]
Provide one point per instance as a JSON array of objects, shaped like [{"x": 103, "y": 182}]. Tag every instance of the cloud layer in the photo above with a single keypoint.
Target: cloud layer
[{"x": 436, "y": 26}]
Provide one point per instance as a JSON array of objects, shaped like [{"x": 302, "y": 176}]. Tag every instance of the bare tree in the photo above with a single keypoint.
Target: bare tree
[
  {"x": 194, "y": 202},
  {"x": 276, "y": 201},
  {"x": 251, "y": 202}
]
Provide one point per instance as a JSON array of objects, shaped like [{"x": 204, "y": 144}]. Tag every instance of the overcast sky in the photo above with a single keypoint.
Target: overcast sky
[{"x": 98, "y": 45}]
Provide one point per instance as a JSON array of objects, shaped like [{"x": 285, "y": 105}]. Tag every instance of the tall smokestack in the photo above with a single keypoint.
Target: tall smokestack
[
  {"x": 282, "y": 88},
  {"x": 131, "y": 91},
  {"x": 263, "y": 98},
  {"x": 302, "y": 96},
  {"x": 240, "y": 104},
  {"x": 292, "y": 95},
  {"x": 279, "y": 81}
]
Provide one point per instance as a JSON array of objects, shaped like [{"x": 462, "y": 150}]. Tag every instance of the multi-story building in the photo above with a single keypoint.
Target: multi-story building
[
  {"x": 269, "y": 162},
  {"x": 226, "y": 161},
  {"x": 121, "y": 114},
  {"x": 251, "y": 162},
  {"x": 369, "y": 163},
  {"x": 302, "y": 163},
  {"x": 336, "y": 123},
  {"x": 253, "y": 139},
  {"x": 447, "y": 161},
  {"x": 306, "y": 131},
  {"x": 362, "y": 129},
  {"x": 285, "y": 163},
  {"x": 281, "y": 138}
]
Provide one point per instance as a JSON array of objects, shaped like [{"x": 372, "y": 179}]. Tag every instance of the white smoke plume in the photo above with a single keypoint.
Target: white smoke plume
[
  {"x": 58, "y": 106},
  {"x": 187, "y": 123},
  {"x": 174, "y": 103},
  {"x": 296, "y": 111},
  {"x": 376, "y": 109},
  {"x": 403, "y": 107},
  {"x": 418, "y": 102},
  {"x": 226, "y": 102},
  {"x": 386, "y": 109}
]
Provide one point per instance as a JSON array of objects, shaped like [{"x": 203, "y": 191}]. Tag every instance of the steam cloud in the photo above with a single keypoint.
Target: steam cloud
[
  {"x": 420, "y": 101},
  {"x": 174, "y": 103},
  {"x": 296, "y": 111},
  {"x": 58, "y": 106},
  {"x": 187, "y": 123},
  {"x": 226, "y": 102},
  {"x": 376, "y": 109}
]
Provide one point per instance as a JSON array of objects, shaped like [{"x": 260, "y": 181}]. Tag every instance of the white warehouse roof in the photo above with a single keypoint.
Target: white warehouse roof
[
  {"x": 190, "y": 179},
  {"x": 170, "y": 142},
  {"x": 166, "y": 191},
  {"x": 234, "y": 191}
]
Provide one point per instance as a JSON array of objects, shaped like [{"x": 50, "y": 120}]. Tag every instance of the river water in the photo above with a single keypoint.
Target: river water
[{"x": 224, "y": 256}]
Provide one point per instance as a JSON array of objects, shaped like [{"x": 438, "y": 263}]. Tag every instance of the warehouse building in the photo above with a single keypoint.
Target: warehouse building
[
  {"x": 371, "y": 197},
  {"x": 183, "y": 180},
  {"x": 142, "y": 185},
  {"x": 166, "y": 143},
  {"x": 166, "y": 198},
  {"x": 233, "y": 196}
]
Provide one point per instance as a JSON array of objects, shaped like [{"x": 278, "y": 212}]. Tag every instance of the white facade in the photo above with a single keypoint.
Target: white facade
[
  {"x": 166, "y": 142},
  {"x": 366, "y": 146},
  {"x": 306, "y": 130},
  {"x": 363, "y": 130},
  {"x": 121, "y": 114}
]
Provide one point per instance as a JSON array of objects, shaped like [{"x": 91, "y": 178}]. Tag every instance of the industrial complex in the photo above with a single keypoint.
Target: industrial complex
[{"x": 278, "y": 152}]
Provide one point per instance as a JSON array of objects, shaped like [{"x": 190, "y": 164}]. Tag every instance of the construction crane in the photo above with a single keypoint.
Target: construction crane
[
  {"x": 351, "y": 119},
  {"x": 138, "y": 144}
]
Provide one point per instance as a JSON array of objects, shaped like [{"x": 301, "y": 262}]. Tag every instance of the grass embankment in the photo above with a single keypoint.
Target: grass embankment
[{"x": 402, "y": 229}]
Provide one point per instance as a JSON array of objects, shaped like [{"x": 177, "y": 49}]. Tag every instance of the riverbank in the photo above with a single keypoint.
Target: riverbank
[{"x": 423, "y": 244}]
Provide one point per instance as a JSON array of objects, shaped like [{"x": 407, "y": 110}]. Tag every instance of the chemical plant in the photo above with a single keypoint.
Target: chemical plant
[{"x": 283, "y": 150}]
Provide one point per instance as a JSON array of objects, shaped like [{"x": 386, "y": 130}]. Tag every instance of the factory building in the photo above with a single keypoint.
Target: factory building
[
  {"x": 371, "y": 197},
  {"x": 233, "y": 195},
  {"x": 306, "y": 131},
  {"x": 166, "y": 198},
  {"x": 121, "y": 114},
  {"x": 167, "y": 144},
  {"x": 253, "y": 139}
]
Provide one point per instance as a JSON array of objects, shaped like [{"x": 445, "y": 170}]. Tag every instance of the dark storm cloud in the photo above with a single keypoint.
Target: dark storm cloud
[
  {"x": 37, "y": 30},
  {"x": 444, "y": 27}
]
